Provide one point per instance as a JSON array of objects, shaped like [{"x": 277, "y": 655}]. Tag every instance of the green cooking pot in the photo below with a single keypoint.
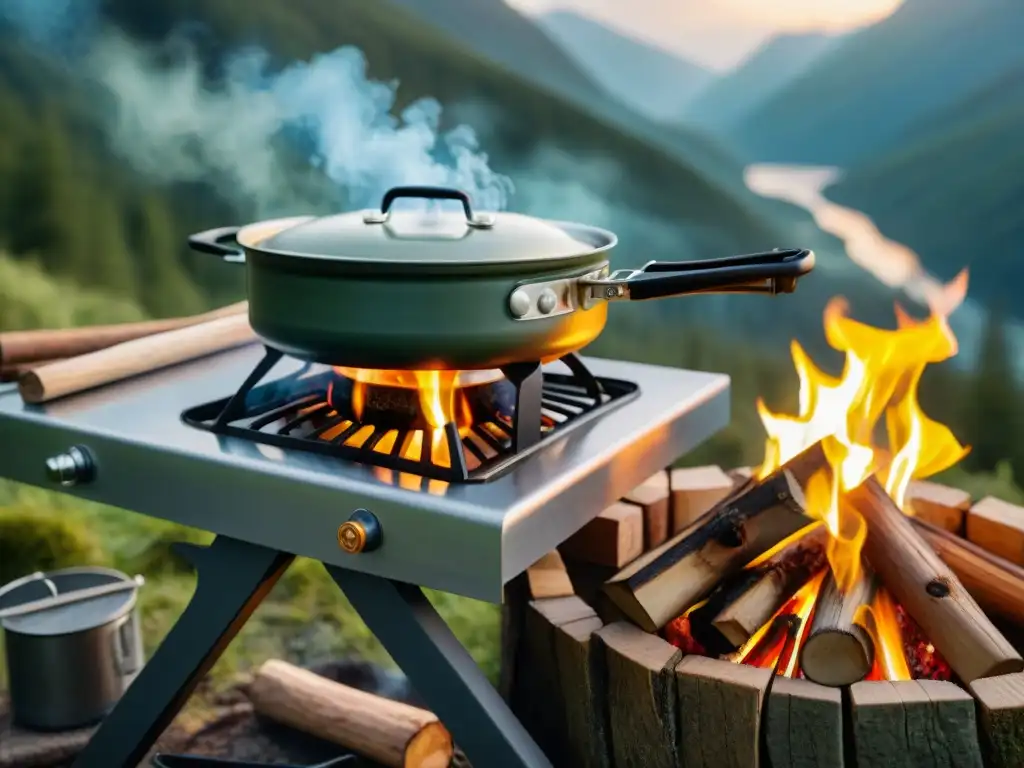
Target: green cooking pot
[{"x": 434, "y": 289}]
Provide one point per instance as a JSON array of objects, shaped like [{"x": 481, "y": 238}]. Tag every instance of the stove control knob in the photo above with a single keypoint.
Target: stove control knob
[
  {"x": 71, "y": 468},
  {"x": 360, "y": 533},
  {"x": 547, "y": 302}
]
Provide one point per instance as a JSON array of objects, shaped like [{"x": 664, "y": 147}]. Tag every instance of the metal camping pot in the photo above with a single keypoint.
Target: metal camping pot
[
  {"x": 73, "y": 645},
  {"x": 432, "y": 289}
]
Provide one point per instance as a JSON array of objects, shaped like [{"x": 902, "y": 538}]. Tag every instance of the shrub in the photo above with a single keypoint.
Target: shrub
[{"x": 33, "y": 539}]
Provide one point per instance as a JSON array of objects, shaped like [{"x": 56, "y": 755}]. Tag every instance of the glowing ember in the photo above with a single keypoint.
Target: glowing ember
[
  {"x": 879, "y": 380},
  {"x": 798, "y": 610}
]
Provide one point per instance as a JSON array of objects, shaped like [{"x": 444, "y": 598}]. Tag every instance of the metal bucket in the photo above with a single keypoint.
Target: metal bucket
[{"x": 73, "y": 645}]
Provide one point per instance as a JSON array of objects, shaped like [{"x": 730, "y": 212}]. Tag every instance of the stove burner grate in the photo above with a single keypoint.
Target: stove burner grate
[{"x": 294, "y": 412}]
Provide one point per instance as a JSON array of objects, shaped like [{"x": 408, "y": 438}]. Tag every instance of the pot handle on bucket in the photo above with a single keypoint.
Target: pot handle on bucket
[
  {"x": 771, "y": 272},
  {"x": 219, "y": 242}
]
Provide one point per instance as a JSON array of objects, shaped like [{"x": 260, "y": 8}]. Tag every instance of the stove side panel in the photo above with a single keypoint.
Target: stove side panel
[{"x": 530, "y": 535}]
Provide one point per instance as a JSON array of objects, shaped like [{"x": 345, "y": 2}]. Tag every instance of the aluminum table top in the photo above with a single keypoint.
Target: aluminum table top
[{"x": 468, "y": 539}]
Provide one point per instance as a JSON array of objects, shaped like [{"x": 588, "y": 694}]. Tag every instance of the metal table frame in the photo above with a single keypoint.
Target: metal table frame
[{"x": 233, "y": 578}]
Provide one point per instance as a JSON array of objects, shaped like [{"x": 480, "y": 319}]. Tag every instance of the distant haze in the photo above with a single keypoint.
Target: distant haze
[{"x": 718, "y": 34}]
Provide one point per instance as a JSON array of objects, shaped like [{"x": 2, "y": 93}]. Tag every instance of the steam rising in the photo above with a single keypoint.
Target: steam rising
[{"x": 173, "y": 127}]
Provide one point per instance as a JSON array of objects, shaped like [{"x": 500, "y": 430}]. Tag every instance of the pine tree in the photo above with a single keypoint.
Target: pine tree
[
  {"x": 993, "y": 407},
  {"x": 111, "y": 265},
  {"x": 164, "y": 288}
]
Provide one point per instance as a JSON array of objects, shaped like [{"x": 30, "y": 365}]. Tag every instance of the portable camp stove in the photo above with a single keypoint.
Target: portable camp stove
[{"x": 279, "y": 458}]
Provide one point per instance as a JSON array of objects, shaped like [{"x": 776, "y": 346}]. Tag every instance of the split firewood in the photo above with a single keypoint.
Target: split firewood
[
  {"x": 719, "y": 703},
  {"x": 1001, "y": 712},
  {"x": 695, "y": 490},
  {"x": 541, "y": 707},
  {"x": 770, "y": 584},
  {"x": 394, "y": 734},
  {"x": 581, "y": 677},
  {"x": 998, "y": 526},
  {"x": 640, "y": 695},
  {"x": 664, "y": 583},
  {"x": 838, "y": 650},
  {"x": 803, "y": 725},
  {"x": 653, "y": 497},
  {"x": 939, "y": 504},
  {"x": 912, "y": 724},
  {"x": 929, "y": 591},
  {"x": 614, "y": 538},
  {"x": 548, "y": 578},
  {"x": 996, "y": 584}
]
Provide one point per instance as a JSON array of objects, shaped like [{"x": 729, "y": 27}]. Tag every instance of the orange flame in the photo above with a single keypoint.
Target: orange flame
[
  {"x": 881, "y": 623},
  {"x": 880, "y": 378}
]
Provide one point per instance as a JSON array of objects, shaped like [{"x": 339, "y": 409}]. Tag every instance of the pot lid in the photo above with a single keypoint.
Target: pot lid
[
  {"x": 428, "y": 236},
  {"x": 67, "y": 618}
]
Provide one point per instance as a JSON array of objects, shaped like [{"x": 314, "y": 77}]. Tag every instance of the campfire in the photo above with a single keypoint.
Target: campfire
[{"x": 803, "y": 584}]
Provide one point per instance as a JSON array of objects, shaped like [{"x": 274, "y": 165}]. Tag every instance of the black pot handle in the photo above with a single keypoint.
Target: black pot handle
[
  {"x": 479, "y": 221},
  {"x": 219, "y": 242},
  {"x": 771, "y": 272}
]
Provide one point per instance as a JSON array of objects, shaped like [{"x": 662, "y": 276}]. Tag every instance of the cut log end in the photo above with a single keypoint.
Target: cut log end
[
  {"x": 430, "y": 748},
  {"x": 838, "y": 658}
]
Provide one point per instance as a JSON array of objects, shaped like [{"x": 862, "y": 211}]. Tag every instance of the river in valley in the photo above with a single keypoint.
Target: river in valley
[{"x": 893, "y": 264}]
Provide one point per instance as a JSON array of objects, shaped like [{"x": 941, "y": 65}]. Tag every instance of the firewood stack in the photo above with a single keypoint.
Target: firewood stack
[{"x": 697, "y": 623}]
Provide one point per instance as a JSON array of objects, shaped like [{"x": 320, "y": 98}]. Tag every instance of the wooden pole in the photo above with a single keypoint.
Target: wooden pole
[
  {"x": 929, "y": 591},
  {"x": 838, "y": 650},
  {"x": 394, "y": 734},
  {"x": 662, "y": 584}
]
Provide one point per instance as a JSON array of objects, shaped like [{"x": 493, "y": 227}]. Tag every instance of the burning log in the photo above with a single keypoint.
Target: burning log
[
  {"x": 394, "y": 734},
  {"x": 695, "y": 490},
  {"x": 640, "y": 696},
  {"x": 924, "y": 662},
  {"x": 662, "y": 584},
  {"x": 929, "y": 590},
  {"x": 997, "y": 584},
  {"x": 772, "y": 583},
  {"x": 1001, "y": 710},
  {"x": 720, "y": 706},
  {"x": 913, "y": 723},
  {"x": 838, "y": 650},
  {"x": 614, "y": 538},
  {"x": 803, "y": 725}
]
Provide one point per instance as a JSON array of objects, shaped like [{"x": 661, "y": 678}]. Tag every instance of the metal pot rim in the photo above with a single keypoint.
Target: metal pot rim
[
  {"x": 116, "y": 615},
  {"x": 254, "y": 236}
]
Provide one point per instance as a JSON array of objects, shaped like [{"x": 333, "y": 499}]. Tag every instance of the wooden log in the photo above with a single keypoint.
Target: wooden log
[
  {"x": 913, "y": 724},
  {"x": 695, "y": 490},
  {"x": 666, "y": 581},
  {"x": 998, "y": 527},
  {"x": 1001, "y": 712},
  {"x": 548, "y": 578},
  {"x": 839, "y": 651},
  {"x": 542, "y": 705},
  {"x": 929, "y": 591},
  {"x": 614, "y": 538},
  {"x": 653, "y": 498},
  {"x": 640, "y": 695},
  {"x": 394, "y": 734},
  {"x": 719, "y": 707},
  {"x": 581, "y": 678},
  {"x": 132, "y": 358},
  {"x": 39, "y": 346},
  {"x": 13, "y": 371},
  {"x": 774, "y": 582},
  {"x": 803, "y": 725},
  {"x": 996, "y": 584},
  {"x": 939, "y": 505}
]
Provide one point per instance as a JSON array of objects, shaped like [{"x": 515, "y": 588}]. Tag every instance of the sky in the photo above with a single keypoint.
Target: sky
[{"x": 718, "y": 33}]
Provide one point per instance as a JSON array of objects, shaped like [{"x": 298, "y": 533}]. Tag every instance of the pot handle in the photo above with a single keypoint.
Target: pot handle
[
  {"x": 219, "y": 242},
  {"x": 770, "y": 272},
  {"x": 480, "y": 221}
]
